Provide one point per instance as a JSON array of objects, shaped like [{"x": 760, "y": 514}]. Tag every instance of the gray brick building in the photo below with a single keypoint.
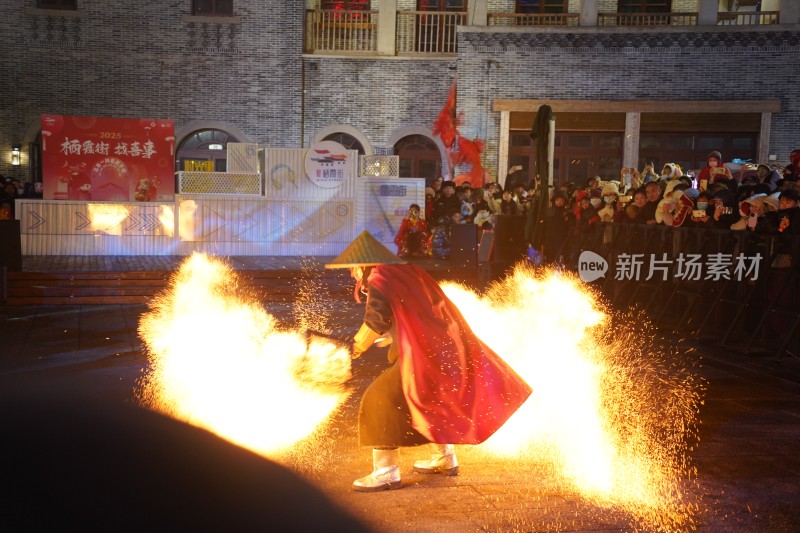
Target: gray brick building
[{"x": 285, "y": 74}]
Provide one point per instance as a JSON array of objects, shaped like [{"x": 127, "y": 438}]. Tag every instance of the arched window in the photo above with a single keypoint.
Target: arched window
[
  {"x": 346, "y": 140},
  {"x": 419, "y": 158},
  {"x": 205, "y": 145}
]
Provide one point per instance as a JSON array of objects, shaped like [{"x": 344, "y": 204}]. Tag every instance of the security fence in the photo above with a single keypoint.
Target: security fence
[{"x": 737, "y": 289}]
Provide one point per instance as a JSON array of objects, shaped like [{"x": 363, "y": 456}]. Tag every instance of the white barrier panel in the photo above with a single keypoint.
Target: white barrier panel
[
  {"x": 383, "y": 202},
  {"x": 224, "y": 226}
]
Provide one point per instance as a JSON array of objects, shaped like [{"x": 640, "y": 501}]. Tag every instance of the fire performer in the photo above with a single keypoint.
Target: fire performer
[{"x": 444, "y": 385}]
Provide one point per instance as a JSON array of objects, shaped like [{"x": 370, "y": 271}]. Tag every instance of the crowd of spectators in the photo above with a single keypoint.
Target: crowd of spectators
[
  {"x": 13, "y": 189},
  {"x": 758, "y": 198},
  {"x": 448, "y": 204}
]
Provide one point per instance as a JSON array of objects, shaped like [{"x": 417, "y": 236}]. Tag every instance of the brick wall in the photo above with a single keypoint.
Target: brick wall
[
  {"x": 613, "y": 64},
  {"x": 375, "y": 96},
  {"x": 121, "y": 59},
  {"x": 143, "y": 59}
]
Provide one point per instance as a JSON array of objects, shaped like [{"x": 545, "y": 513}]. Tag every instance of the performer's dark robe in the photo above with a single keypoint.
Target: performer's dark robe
[{"x": 445, "y": 385}]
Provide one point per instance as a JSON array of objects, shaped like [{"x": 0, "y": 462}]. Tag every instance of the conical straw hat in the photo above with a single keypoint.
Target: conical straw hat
[{"x": 365, "y": 250}]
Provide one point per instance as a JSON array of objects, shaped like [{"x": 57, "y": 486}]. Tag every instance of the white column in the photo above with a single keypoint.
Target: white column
[
  {"x": 502, "y": 148},
  {"x": 762, "y": 155},
  {"x": 630, "y": 146},
  {"x": 387, "y": 27},
  {"x": 588, "y": 12},
  {"x": 477, "y": 13},
  {"x": 707, "y": 11}
]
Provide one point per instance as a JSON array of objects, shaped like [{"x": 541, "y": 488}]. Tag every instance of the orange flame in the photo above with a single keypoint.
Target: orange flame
[
  {"x": 612, "y": 417},
  {"x": 219, "y": 361}
]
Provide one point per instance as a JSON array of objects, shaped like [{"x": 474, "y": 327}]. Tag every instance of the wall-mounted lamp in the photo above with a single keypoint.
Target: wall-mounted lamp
[{"x": 15, "y": 155}]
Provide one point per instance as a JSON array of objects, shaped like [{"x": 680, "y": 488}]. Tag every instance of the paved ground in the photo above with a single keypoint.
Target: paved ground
[{"x": 748, "y": 469}]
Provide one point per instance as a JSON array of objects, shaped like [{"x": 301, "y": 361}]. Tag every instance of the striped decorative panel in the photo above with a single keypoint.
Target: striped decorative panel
[
  {"x": 242, "y": 157},
  {"x": 285, "y": 176}
]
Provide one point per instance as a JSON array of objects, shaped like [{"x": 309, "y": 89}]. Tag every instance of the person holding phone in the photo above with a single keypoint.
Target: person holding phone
[
  {"x": 703, "y": 212},
  {"x": 715, "y": 169},
  {"x": 726, "y": 212}
]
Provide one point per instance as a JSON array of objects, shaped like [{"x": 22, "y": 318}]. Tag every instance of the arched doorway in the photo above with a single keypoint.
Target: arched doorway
[
  {"x": 419, "y": 158},
  {"x": 346, "y": 140},
  {"x": 209, "y": 145}
]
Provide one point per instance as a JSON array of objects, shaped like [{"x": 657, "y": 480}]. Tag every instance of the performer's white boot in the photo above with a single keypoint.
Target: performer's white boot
[
  {"x": 443, "y": 461},
  {"x": 385, "y": 472}
]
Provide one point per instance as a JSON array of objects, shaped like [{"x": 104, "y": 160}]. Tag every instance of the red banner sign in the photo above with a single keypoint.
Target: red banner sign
[{"x": 115, "y": 159}]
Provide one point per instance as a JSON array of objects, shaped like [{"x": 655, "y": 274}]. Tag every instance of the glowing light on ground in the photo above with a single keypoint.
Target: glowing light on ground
[
  {"x": 218, "y": 360},
  {"x": 613, "y": 418}
]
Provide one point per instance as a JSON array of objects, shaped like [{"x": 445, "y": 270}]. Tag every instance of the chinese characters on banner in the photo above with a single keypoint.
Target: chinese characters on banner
[
  {"x": 690, "y": 267},
  {"x": 114, "y": 159}
]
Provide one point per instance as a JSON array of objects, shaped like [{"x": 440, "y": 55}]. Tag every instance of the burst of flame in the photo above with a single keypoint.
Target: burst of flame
[
  {"x": 219, "y": 361},
  {"x": 614, "y": 419},
  {"x": 167, "y": 219},
  {"x": 607, "y": 411},
  {"x": 107, "y": 217}
]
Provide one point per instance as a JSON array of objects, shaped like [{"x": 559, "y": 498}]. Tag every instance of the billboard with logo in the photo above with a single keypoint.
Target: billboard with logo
[{"x": 107, "y": 159}]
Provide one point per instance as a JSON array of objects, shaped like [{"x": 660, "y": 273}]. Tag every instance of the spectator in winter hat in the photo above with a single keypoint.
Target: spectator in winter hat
[
  {"x": 769, "y": 176},
  {"x": 714, "y": 170},
  {"x": 611, "y": 210},
  {"x": 446, "y": 202},
  {"x": 671, "y": 171},
  {"x": 508, "y": 206}
]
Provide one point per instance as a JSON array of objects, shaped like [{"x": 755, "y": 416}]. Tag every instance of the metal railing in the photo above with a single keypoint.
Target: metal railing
[
  {"x": 428, "y": 32},
  {"x": 535, "y": 19},
  {"x": 732, "y": 18},
  {"x": 329, "y": 30},
  {"x": 736, "y": 289},
  {"x": 647, "y": 19},
  {"x": 434, "y": 32}
]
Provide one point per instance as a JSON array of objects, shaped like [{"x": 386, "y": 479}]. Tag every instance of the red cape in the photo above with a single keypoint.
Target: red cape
[{"x": 458, "y": 390}]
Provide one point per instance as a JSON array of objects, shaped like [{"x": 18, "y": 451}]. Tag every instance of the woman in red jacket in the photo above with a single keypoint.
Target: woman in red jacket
[
  {"x": 412, "y": 237},
  {"x": 713, "y": 170}
]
